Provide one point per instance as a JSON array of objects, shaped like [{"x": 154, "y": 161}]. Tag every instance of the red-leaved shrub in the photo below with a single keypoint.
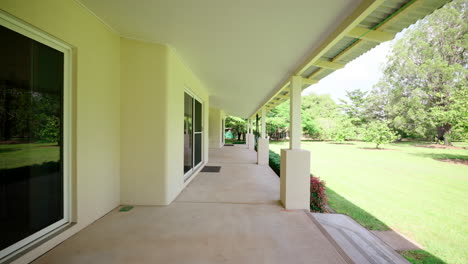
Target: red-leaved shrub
[{"x": 318, "y": 196}]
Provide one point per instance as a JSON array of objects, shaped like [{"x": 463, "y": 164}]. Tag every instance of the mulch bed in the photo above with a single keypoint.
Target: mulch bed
[
  {"x": 436, "y": 146},
  {"x": 455, "y": 161}
]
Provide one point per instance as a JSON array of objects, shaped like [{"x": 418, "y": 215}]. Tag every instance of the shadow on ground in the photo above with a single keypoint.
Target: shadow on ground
[
  {"x": 341, "y": 205},
  {"x": 438, "y": 156},
  {"x": 9, "y": 150}
]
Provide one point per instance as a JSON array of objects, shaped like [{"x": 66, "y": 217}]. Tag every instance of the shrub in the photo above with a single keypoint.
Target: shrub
[
  {"x": 318, "y": 196},
  {"x": 50, "y": 131},
  {"x": 379, "y": 133},
  {"x": 274, "y": 161}
]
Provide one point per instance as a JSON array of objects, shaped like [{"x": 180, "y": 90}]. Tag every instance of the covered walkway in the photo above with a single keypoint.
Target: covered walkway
[{"x": 233, "y": 216}]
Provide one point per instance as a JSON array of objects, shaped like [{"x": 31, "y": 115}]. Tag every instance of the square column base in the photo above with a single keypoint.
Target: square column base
[
  {"x": 295, "y": 179},
  {"x": 251, "y": 141},
  {"x": 263, "y": 151}
]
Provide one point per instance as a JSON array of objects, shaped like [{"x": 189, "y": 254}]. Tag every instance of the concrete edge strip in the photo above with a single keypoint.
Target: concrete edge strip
[
  {"x": 340, "y": 251},
  {"x": 379, "y": 249}
]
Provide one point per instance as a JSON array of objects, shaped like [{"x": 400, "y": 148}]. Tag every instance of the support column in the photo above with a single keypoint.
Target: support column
[
  {"x": 295, "y": 162},
  {"x": 263, "y": 122},
  {"x": 263, "y": 146},
  {"x": 295, "y": 129},
  {"x": 247, "y": 134},
  {"x": 251, "y": 137}
]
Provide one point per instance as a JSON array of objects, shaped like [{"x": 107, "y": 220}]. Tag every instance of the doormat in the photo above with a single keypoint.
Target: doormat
[
  {"x": 126, "y": 208},
  {"x": 229, "y": 145},
  {"x": 211, "y": 169}
]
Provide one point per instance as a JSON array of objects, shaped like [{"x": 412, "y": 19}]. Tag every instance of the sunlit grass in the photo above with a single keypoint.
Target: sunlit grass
[
  {"x": 406, "y": 188},
  {"x": 19, "y": 155}
]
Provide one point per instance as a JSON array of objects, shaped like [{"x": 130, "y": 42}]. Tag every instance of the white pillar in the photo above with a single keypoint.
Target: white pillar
[
  {"x": 295, "y": 162},
  {"x": 263, "y": 122},
  {"x": 263, "y": 146},
  {"x": 251, "y": 137},
  {"x": 295, "y": 128}
]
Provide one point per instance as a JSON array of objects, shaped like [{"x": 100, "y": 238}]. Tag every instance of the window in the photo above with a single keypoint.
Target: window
[{"x": 34, "y": 140}]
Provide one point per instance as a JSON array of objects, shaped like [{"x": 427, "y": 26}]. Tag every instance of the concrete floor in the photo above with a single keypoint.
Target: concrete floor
[{"x": 229, "y": 217}]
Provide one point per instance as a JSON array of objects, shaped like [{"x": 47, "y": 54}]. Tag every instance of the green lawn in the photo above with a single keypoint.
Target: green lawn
[
  {"x": 19, "y": 155},
  {"x": 404, "y": 189}
]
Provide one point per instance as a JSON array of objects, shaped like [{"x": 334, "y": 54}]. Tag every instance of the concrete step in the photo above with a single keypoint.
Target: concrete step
[{"x": 360, "y": 244}]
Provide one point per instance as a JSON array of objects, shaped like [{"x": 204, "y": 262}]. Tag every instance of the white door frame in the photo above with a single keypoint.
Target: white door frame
[
  {"x": 190, "y": 172},
  {"x": 13, "y": 23}
]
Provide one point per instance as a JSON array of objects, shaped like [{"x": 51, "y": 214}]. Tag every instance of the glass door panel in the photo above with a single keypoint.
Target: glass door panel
[
  {"x": 198, "y": 133},
  {"x": 188, "y": 133},
  {"x": 31, "y": 139}
]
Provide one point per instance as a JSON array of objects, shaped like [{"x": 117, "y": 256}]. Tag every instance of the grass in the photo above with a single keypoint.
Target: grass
[
  {"x": 421, "y": 257},
  {"x": 404, "y": 188},
  {"x": 20, "y": 155}
]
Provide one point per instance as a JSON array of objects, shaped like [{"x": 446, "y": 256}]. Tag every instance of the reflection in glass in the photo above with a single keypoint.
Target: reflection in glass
[
  {"x": 31, "y": 137},
  {"x": 198, "y": 132},
  {"x": 188, "y": 133}
]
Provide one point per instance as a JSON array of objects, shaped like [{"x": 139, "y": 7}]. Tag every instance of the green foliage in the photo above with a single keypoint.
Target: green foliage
[
  {"x": 354, "y": 106},
  {"x": 237, "y": 125},
  {"x": 50, "y": 131},
  {"x": 344, "y": 130},
  {"x": 318, "y": 195},
  {"x": 274, "y": 160},
  {"x": 378, "y": 133},
  {"x": 423, "y": 89}
]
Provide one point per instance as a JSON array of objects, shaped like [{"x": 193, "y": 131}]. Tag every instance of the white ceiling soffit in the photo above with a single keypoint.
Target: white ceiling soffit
[{"x": 240, "y": 50}]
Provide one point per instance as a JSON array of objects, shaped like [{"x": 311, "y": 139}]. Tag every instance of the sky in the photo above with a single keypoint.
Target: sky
[{"x": 361, "y": 73}]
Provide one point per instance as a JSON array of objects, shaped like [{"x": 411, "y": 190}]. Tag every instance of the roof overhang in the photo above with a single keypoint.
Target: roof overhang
[{"x": 372, "y": 23}]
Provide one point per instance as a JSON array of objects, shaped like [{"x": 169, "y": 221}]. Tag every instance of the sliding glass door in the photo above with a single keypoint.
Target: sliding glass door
[
  {"x": 193, "y": 134},
  {"x": 33, "y": 193}
]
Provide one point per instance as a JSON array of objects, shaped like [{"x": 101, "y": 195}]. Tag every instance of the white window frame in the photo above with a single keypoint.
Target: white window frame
[
  {"x": 190, "y": 172},
  {"x": 13, "y": 23}
]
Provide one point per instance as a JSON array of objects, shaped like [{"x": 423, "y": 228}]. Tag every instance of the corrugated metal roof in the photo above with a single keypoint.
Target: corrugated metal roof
[{"x": 391, "y": 16}]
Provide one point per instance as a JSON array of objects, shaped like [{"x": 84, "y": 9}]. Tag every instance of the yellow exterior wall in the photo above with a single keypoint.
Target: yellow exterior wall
[
  {"x": 153, "y": 82},
  {"x": 144, "y": 117},
  {"x": 216, "y": 128},
  {"x": 181, "y": 78},
  {"x": 96, "y": 108},
  {"x": 128, "y": 114}
]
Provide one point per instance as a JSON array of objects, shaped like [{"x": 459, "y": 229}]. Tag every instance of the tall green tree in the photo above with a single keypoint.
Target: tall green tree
[
  {"x": 354, "y": 106},
  {"x": 237, "y": 125},
  {"x": 422, "y": 87}
]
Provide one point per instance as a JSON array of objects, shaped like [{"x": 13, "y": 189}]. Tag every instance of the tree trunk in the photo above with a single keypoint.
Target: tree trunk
[
  {"x": 441, "y": 134},
  {"x": 239, "y": 136}
]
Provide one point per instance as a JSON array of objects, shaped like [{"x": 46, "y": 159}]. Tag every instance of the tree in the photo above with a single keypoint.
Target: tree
[
  {"x": 319, "y": 115},
  {"x": 50, "y": 131},
  {"x": 425, "y": 75},
  {"x": 237, "y": 125},
  {"x": 344, "y": 130},
  {"x": 378, "y": 133},
  {"x": 354, "y": 106}
]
